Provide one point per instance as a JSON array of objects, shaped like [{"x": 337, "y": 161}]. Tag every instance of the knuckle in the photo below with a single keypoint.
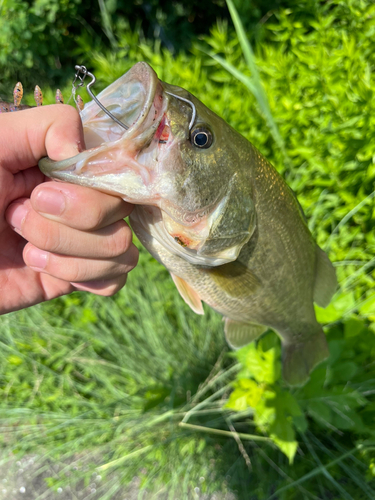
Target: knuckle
[
  {"x": 51, "y": 237},
  {"x": 131, "y": 260},
  {"x": 68, "y": 112},
  {"x": 94, "y": 215},
  {"x": 135, "y": 256},
  {"x": 47, "y": 241},
  {"x": 112, "y": 289},
  {"x": 77, "y": 273},
  {"x": 40, "y": 235},
  {"x": 97, "y": 216},
  {"x": 120, "y": 241}
]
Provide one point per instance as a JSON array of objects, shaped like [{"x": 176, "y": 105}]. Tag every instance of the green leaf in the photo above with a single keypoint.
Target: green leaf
[
  {"x": 300, "y": 423},
  {"x": 263, "y": 366},
  {"x": 345, "y": 419},
  {"x": 238, "y": 400},
  {"x": 336, "y": 309},
  {"x": 266, "y": 411},
  {"x": 283, "y": 435},
  {"x": 246, "y": 394},
  {"x": 368, "y": 307},
  {"x": 275, "y": 415},
  {"x": 343, "y": 372},
  {"x": 354, "y": 326},
  {"x": 319, "y": 411}
]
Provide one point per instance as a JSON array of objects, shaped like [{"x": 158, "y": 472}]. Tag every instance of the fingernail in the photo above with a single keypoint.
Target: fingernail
[
  {"x": 50, "y": 201},
  {"x": 16, "y": 215},
  {"x": 36, "y": 259}
]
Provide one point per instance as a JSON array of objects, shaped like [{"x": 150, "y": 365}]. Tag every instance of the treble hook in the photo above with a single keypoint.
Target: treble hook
[{"x": 83, "y": 69}]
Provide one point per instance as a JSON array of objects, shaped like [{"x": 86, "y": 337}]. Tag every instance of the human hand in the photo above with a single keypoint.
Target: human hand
[{"x": 55, "y": 237}]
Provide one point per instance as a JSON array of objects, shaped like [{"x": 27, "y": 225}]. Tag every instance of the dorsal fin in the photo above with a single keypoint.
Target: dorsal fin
[{"x": 189, "y": 295}]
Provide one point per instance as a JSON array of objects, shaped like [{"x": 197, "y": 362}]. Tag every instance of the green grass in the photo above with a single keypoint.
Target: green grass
[
  {"x": 111, "y": 377},
  {"x": 137, "y": 385}
]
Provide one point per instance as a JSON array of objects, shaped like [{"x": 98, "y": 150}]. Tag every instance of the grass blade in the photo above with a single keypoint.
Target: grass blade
[
  {"x": 220, "y": 432},
  {"x": 256, "y": 86}
]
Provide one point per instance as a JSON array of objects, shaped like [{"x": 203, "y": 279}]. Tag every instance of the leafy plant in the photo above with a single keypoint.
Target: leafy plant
[
  {"x": 274, "y": 407},
  {"x": 277, "y": 411}
]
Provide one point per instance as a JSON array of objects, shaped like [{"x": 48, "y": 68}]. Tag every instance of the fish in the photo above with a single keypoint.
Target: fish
[{"x": 211, "y": 209}]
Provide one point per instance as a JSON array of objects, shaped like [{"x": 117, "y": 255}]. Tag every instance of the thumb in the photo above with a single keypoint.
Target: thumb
[{"x": 28, "y": 135}]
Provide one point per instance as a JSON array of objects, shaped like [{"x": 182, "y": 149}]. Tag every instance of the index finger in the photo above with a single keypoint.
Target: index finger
[{"x": 28, "y": 135}]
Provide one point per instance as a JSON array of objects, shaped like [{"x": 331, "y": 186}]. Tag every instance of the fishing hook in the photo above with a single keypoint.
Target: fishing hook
[
  {"x": 83, "y": 69},
  {"x": 192, "y": 107}
]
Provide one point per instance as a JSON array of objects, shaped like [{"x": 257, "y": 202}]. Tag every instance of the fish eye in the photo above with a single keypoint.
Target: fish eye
[{"x": 201, "y": 138}]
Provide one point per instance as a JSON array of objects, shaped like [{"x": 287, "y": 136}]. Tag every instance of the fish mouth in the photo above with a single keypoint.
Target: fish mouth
[
  {"x": 130, "y": 99},
  {"x": 136, "y": 99}
]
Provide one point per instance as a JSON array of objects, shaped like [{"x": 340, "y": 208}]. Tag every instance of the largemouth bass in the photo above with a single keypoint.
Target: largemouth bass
[{"x": 211, "y": 209}]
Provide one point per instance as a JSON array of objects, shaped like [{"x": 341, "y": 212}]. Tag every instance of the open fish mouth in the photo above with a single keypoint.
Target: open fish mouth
[
  {"x": 140, "y": 160},
  {"x": 129, "y": 99},
  {"x": 136, "y": 99}
]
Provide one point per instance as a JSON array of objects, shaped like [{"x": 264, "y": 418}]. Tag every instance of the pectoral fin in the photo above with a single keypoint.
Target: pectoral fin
[
  {"x": 239, "y": 334},
  {"x": 235, "y": 279},
  {"x": 189, "y": 295},
  {"x": 325, "y": 279}
]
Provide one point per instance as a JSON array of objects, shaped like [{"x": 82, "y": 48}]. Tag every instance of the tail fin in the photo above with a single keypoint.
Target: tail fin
[{"x": 300, "y": 358}]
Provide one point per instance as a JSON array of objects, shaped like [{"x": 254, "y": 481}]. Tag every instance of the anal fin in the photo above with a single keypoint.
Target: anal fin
[
  {"x": 189, "y": 295},
  {"x": 239, "y": 334}
]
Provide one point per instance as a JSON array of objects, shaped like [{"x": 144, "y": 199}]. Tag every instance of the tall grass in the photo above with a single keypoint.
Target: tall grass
[{"x": 252, "y": 82}]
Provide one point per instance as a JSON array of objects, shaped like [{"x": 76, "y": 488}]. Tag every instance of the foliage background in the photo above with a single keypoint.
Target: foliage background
[{"x": 137, "y": 386}]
